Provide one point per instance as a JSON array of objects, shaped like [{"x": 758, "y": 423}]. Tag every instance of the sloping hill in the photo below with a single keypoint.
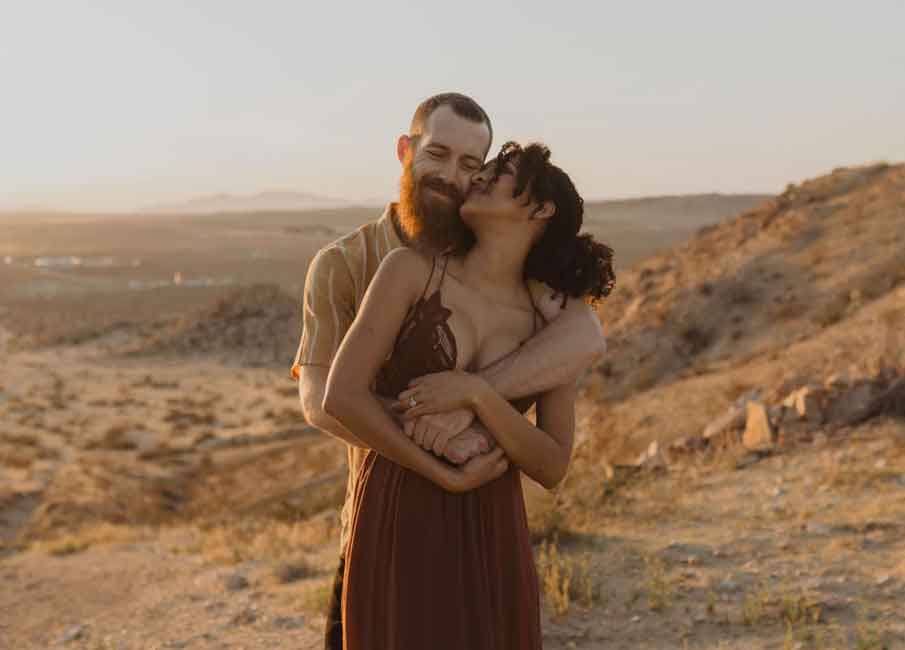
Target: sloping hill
[{"x": 807, "y": 284}]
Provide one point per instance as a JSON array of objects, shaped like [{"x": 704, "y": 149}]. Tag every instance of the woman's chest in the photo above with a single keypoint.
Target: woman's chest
[{"x": 486, "y": 333}]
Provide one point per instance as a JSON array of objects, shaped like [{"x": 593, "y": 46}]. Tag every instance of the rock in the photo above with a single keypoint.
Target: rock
[
  {"x": 814, "y": 528},
  {"x": 653, "y": 457},
  {"x": 853, "y": 405},
  {"x": 807, "y": 403},
  {"x": 837, "y": 380},
  {"x": 245, "y": 617},
  {"x": 759, "y": 434},
  {"x": 779, "y": 414},
  {"x": 73, "y": 633},
  {"x": 235, "y": 582},
  {"x": 795, "y": 430},
  {"x": 751, "y": 458},
  {"x": 289, "y": 622},
  {"x": 689, "y": 445}
]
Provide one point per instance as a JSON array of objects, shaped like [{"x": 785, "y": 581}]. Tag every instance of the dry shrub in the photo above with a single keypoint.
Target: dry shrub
[
  {"x": 88, "y": 536},
  {"x": 790, "y": 310},
  {"x": 261, "y": 539},
  {"x": 657, "y": 584},
  {"x": 565, "y": 580},
  {"x": 316, "y": 597},
  {"x": 695, "y": 339},
  {"x": 831, "y": 311},
  {"x": 545, "y": 518}
]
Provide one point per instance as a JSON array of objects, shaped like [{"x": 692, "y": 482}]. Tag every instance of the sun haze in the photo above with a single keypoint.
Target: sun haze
[{"x": 121, "y": 105}]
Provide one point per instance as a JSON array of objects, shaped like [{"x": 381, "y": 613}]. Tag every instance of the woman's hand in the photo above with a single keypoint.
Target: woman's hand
[
  {"x": 477, "y": 471},
  {"x": 440, "y": 392}
]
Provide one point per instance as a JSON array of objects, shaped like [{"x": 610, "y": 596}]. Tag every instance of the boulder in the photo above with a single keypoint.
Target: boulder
[
  {"x": 759, "y": 433},
  {"x": 853, "y": 405},
  {"x": 652, "y": 457},
  {"x": 807, "y": 403}
]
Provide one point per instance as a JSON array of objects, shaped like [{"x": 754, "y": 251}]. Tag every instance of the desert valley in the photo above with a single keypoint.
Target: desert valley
[{"x": 738, "y": 480}]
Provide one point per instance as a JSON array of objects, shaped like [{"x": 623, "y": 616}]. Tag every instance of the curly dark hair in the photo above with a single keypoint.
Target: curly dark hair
[{"x": 571, "y": 264}]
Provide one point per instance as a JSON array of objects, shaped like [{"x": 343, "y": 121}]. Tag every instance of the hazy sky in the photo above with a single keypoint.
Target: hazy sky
[{"x": 114, "y": 105}]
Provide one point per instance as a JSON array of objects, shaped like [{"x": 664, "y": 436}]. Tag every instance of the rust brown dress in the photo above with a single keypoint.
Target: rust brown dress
[{"x": 427, "y": 569}]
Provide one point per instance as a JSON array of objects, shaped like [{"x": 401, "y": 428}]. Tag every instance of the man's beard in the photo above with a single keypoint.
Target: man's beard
[{"x": 430, "y": 223}]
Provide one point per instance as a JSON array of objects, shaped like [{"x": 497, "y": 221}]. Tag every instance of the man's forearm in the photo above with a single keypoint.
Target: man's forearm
[{"x": 556, "y": 355}]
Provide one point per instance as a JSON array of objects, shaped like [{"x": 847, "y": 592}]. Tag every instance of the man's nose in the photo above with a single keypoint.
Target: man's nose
[{"x": 478, "y": 179}]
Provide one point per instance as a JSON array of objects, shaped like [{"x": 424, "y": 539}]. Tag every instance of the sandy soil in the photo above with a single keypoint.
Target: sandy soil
[{"x": 158, "y": 488}]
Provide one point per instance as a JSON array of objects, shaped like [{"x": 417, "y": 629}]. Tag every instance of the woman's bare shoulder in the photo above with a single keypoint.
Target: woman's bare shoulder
[{"x": 405, "y": 267}]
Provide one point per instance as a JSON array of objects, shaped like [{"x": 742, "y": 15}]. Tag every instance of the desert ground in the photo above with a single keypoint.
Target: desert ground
[{"x": 738, "y": 480}]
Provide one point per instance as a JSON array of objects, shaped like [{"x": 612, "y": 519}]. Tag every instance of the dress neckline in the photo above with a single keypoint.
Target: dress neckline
[{"x": 437, "y": 296}]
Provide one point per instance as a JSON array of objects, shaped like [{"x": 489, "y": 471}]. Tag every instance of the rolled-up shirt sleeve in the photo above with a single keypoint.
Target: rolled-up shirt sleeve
[{"x": 328, "y": 309}]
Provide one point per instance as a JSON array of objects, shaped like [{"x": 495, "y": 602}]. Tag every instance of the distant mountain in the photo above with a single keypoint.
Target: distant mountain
[
  {"x": 687, "y": 210},
  {"x": 261, "y": 202}
]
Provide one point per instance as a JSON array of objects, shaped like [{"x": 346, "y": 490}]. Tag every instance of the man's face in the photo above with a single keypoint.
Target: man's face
[
  {"x": 437, "y": 168},
  {"x": 450, "y": 150}
]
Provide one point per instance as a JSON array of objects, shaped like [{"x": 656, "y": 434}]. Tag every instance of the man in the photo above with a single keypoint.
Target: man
[{"x": 447, "y": 142}]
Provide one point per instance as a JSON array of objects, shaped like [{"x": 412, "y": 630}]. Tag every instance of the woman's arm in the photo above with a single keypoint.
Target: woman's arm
[
  {"x": 541, "y": 451},
  {"x": 369, "y": 341},
  {"x": 557, "y": 354}
]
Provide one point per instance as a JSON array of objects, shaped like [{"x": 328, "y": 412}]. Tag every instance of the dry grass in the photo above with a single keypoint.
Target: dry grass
[
  {"x": 260, "y": 539},
  {"x": 315, "y": 598},
  {"x": 658, "y": 586},
  {"x": 90, "y": 536},
  {"x": 565, "y": 580}
]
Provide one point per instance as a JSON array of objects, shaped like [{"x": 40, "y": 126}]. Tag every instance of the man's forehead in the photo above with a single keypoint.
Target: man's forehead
[{"x": 445, "y": 127}]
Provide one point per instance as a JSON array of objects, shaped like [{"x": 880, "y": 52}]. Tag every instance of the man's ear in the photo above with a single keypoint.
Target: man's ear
[
  {"x": 545, "y": 211},
  {"x": 403, "y": 146}
]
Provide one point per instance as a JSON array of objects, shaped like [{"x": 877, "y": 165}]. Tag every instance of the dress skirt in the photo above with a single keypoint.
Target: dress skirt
[{"x": 430, "y": 570}]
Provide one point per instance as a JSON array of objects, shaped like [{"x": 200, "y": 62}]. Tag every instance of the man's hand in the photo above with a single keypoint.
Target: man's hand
[
  {"x": 479, "y": 471},
  {"x": 433, "y": 432},
  {"x": 472, "y": 442}
]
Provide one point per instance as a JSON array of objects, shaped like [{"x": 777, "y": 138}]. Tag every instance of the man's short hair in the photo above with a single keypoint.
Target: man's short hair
[{"x": 462, "y": 105}]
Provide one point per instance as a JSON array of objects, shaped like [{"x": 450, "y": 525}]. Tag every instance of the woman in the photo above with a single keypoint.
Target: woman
[{"x": 440, "y": 556}]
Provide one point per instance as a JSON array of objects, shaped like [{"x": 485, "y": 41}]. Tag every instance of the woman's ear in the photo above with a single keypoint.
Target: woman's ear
[{"x": 544, "y": 211}]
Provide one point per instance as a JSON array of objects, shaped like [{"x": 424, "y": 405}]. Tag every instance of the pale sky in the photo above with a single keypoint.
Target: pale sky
[{"x": 118, "y": 104}]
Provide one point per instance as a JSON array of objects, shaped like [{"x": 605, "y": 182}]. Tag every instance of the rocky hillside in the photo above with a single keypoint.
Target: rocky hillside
[
  {"x": 256, "y": 325},
  {"x": 804, "y": 287}
]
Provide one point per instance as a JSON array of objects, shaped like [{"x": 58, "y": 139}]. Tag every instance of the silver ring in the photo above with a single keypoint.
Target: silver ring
[{"x": 412, "y": 401}]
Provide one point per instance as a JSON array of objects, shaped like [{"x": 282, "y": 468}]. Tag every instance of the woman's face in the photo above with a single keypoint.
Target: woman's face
[{"x": 490, "y": 194}]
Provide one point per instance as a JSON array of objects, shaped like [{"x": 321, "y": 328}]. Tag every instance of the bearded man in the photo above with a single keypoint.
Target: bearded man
[{"x": 448, "y": 139}]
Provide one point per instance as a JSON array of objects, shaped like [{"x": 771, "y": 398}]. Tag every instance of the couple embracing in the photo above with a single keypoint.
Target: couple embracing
[{"x": 427, "y": 335}]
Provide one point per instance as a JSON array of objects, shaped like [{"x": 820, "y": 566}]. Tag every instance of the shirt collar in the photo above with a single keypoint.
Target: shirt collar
[{"x": 387, "y": 224}]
